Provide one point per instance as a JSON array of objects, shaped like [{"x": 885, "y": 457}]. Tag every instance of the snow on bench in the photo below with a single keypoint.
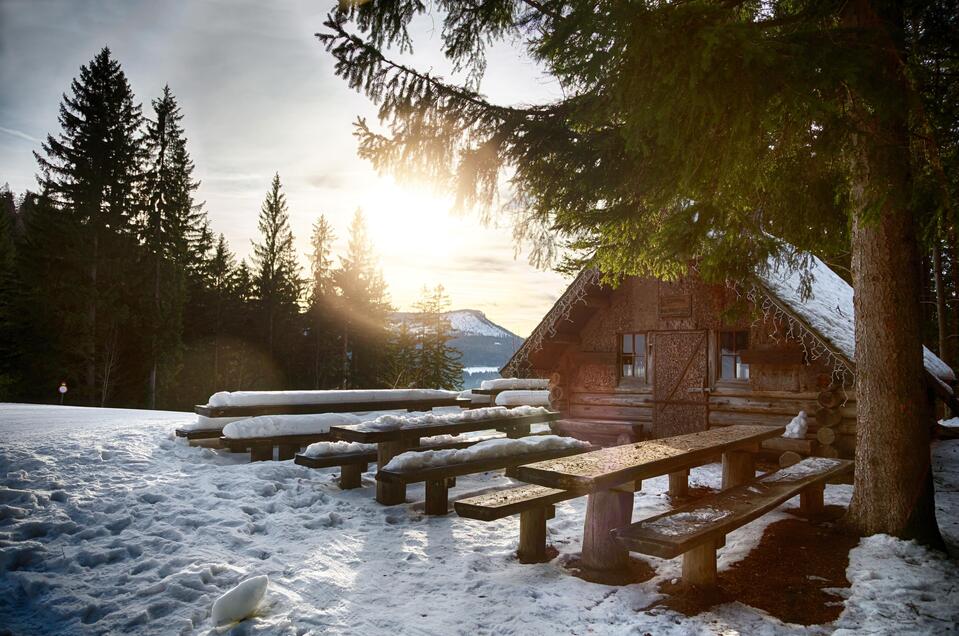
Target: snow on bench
[
  {"x": 437, "y": 468},
  {"x": 535, "y": 505},
  {"x": 494, "y": 387},
  {"x": 523, "y": 398},
  {"x": 226, "y": 403},
  {"x": 697, "y": 529}
]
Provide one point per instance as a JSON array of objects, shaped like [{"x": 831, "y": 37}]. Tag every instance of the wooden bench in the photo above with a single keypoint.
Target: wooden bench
[
  {"x": 354, "y": 463},
  {"x": 535, "y": 504},
  {"x": 261, "y": 448},
  {"x": 439, "y": 479},
  {"x": 696, "y": 530}
]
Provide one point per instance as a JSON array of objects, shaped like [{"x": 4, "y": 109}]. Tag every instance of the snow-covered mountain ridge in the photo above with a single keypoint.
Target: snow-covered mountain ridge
[{"x": 465, "y": 322}]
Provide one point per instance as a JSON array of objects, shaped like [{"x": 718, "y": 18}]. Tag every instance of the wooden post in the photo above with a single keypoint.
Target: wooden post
[
  {"x": 811, "y": 501},
  {"x": 679, "y": 484},
  {"x": 261, "y": 453},
  {"x": 532, "y": 535},
  {"x": 437, "y": 497},
  {"x": 606, "y": 510},
  {"x": 739, "y": 467},
  {"x": 351, "y": 476},
  {"x": 286, "y": 451},
  {"x": 699, "y": 565},
  {"x": 515, "y": 432},
  {"x": 387, "y": 493}
]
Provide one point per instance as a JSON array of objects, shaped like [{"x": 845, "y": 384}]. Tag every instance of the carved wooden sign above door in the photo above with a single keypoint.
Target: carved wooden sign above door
[{"x": 675, "y": 306}]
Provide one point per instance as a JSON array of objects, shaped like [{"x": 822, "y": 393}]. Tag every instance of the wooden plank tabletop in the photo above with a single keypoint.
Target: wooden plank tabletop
[
  {"x": 330, "y": 407},
  {"x": 610, "y": 467},
  {"x": 364, "y": 433},
  {"x": 504, "y": 503}
]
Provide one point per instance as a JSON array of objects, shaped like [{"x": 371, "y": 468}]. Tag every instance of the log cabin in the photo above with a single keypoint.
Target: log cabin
[{"x": 649, "y": 358}]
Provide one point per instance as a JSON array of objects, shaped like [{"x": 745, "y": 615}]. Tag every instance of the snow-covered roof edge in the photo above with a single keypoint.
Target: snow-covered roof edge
[{"x": 828, "y": 309}]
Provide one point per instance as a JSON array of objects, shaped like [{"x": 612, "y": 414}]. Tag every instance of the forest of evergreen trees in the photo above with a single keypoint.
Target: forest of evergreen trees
[{"x": 113, "y": 281}]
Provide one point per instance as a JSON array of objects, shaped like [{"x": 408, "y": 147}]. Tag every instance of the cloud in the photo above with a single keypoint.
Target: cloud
[{"x": 19, "y": 134}]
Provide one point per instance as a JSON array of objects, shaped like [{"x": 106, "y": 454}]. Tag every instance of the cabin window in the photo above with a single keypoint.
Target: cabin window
[
  {"x": 632, "y": 356},
  {"x": 731, "y": 346}
]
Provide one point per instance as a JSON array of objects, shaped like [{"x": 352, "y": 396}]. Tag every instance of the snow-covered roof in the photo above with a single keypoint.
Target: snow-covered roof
[{"x": 828, "y": 309}]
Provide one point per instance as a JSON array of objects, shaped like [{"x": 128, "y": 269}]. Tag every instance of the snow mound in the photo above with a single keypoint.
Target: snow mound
[
  {"x": 523, "y": 398},
  {"x": 490, "y": 449},
  {"x": 202, "y": 423},
  {"x": 829, "y": 309},
  {"x": 311, "y": 424},
  {"x": 413, "y": 420},
  {"x": 268, "y": 398},
  {"x": 240, "y": 602},
  {"x": 796, "y": 429},
  {"x": 511, "y": 384}
]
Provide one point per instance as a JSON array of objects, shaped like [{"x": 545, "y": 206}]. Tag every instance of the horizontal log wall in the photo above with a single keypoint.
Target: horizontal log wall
[{"x": 633, "y": 407}]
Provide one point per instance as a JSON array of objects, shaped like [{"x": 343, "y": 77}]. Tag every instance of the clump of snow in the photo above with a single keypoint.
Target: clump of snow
[
  {"x": 311, "y": 424},
  {"x": 268, "y": 398},
  {"x": 325, "y": 449},
  {"x": 490, "y": 449},
  {"x": 514, "y": 384},
  {"x": 952, "y": 422},
  {"x": 203, "y": 423},
  {"x": 796, "y": 429},
  {"x": 523, "y": 398},
  {"x": 829, "y": 309},
  {"x": 240, "y": 602},
  {"x": 805, "y": 468}
]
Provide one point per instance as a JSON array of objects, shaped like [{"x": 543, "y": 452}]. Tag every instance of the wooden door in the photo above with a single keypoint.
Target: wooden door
[{"x": 680, "y": 360}]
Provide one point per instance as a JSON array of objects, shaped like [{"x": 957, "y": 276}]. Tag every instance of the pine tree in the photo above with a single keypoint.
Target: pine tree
[
  {"x": 438, "y": 364},
  {"x": 403, "y": 359},
  {"x": 171, "y": 226},
  {"x": 92, "y": 172},
  {"x": 9, "y": 374},
  {"x": 712, "y": 133},
  {"x": 363, "y": 311},
  {"x": 276, "y": 270},
  {"x": 322, "y": 305}
]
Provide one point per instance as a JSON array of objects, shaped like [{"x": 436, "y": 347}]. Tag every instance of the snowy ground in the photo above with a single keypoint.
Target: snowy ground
[{"x": 110, "y": 525}]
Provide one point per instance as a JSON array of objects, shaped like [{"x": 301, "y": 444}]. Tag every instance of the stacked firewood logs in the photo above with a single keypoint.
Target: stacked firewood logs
[
  {"x": 556, "y": 392},
  {"x": 828, "y": 418}
]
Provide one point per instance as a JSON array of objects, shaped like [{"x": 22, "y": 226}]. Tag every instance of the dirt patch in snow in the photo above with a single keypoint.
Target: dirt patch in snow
[
  {"x": 636, "y": 571},
  {"x": 789, "y": 574}
]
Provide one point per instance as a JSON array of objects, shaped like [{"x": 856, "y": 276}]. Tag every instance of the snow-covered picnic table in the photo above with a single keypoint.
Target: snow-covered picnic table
[
  {"x": 394, "y": 434},
  {"x": 611, "y": 475}
]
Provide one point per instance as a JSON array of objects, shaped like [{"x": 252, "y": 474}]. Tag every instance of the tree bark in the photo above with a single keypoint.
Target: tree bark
[{"x": 893, "y": 491}]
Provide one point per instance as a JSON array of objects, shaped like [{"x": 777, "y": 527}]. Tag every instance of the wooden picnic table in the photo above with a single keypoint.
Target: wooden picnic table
[
  {"x": 392, "y": 442},
  {"x": 610, "y": 476},
  {"x": 424, "y": 404}
]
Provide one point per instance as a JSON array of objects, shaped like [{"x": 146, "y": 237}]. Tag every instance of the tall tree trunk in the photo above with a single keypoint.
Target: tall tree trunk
[
  {"x": 893, "y": 491},
  {"x": 154, "y": 342},
  {"x": 91, "y": 348}
]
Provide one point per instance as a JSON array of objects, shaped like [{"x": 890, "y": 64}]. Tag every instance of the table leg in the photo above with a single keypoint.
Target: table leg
[
  {"x": 532, "y": 535},
  {"x": 679, "y": 484},
  {"x": 389, "y": 494},
  {"x": 351, "y": 476},
  {"x": 261, "y": 452},
  {"x": 739, "y": 467},
  {"x": 699, "y": 565},
  {"x": 437, "y": 497},
  {"x": 516, "y": 432},
  {"x": 811, "y": 501},
  {"x": 606, "y": 510},
  {"x": 287, "y": 451}
]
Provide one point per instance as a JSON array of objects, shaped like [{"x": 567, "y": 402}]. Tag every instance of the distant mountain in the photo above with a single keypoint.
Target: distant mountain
[{"x": 485, "y": 346}]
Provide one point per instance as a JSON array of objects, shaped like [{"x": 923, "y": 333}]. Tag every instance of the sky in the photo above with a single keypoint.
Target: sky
[{"x": 259, "y": 96}]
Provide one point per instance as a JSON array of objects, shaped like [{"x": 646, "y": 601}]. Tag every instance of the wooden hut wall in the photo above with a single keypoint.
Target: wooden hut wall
[{"x": 587, "y": 364}]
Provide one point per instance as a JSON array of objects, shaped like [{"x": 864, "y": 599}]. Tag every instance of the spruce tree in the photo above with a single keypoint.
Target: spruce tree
[
  {"x": 703, "y": 132},
  {"x": 438, "y": 364},
  {"x": 322, "y": 305},
  {"x": 276, "y": 272},
  {"x": 171, "y": 226},
  {"x": 363, "y": 309},
  {"x": 93, "y": 172}
]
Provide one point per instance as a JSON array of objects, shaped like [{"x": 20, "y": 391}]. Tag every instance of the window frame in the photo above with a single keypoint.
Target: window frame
[
  {"x": 622, "y": 355},
  {"x": 736, "y": 357}
]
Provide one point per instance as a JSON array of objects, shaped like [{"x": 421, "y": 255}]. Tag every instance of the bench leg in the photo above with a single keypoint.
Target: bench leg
[
  {"x": 351, "y": 476},
  {"x": 739, "y": 467},
  {"x": 699, "y": 565},
  {"x": 389, "y": 494},
  {"x": 515, "y": 432},
  {"x": 532, "y": 536},
  {"x": 679, "y": 484},
  {"x": 811, "y": 501},
  {"x": 261, "y": 453},
  {"x": 606, "y": 510},
  {"x": 286, "y": 451},
  {"x": 437, "y": 497}
]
